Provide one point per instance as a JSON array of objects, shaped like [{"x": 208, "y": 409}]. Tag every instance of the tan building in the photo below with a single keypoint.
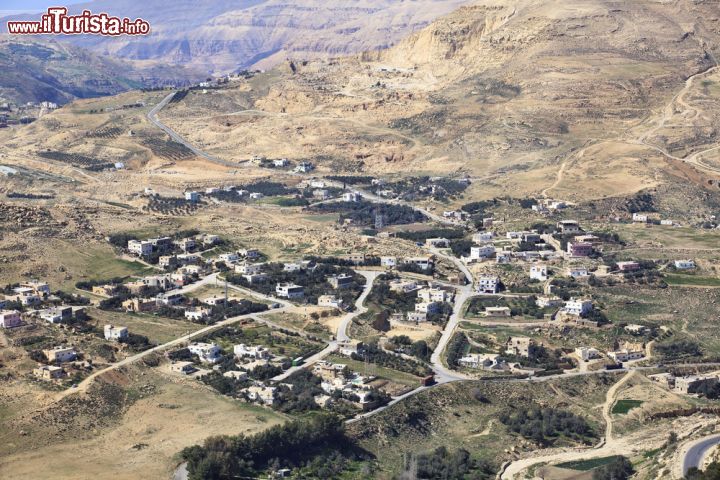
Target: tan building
[
  {"x": 519, "y": 346},
  {"x": 139, "y": 305},
  {"x": 104, "y": 290},
  {"x": 60, "y": 354},
  {"x": 49, "y": 372}
]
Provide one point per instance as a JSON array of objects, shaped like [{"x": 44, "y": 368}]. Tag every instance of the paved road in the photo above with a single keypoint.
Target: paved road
[
  {"x": 695, "y": 452},
  {"x": 82, "y": 386},
  {"x": 341, "y": 335},
  {"x": 370, "y": 277},
  {"x": 152, "y": 116},
  {"x": 442, "y": 373}
]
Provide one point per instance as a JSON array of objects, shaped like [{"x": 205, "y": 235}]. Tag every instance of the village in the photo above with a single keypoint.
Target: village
[{"x": 537, "y": 280}]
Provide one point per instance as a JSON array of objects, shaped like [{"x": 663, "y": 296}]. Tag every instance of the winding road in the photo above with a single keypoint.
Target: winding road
[
  {"x": 153, "y": 118},
  {"x": 341, "y": 335},
  {"x": 693, "y": 454}
]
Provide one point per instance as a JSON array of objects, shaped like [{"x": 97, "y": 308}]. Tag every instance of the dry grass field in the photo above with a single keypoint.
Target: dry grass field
[{"x": 136, "y": 437}]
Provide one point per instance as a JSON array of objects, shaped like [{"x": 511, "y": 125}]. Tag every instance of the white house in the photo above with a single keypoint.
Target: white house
[
  {"x": 193, "y": 197},
  {"x": 141, "y": 248},
  {"x": 482, "y": 252},
  {"x": 207, "y": 352},
  {"x": 289, "y": 290},
  {"x": 115, "y": 333},
  {"x": 578, "y": 307},
  {"x": 434, "y": 295},
  {"x": 484, "y": 361},
  {"x": 423, "y": 263},
  {"x": 304, "y": 167},
  {"x": 416, "y": 317},
  {"x": 539, "y": 272},
  {"x": 587, "y": 353},
  {"x": 249, "y": 253},
  {"x": 568, "y": 226},
  {"x": 56, "y": 314},
  {"x": 427, "y": 307},
  {"x": 684, "y": 264},
  {"x": 544, "y": 301},
  {"x": 483, "y": 237},
  {"x": 329, "y": 301},
  {"x": 487, "y": 284},
  {"x": 257, "y": 351},
  {"x": 196, "y": 314},
  {"x": 40, "y": 288},
  {"x": 248, "y": 268},
  {"x": 402, "y": 286},
  {"x": 353, "y": 197},
  {"x": 261, "y": 393},
  {"x": 437, "y": 242},
  {"x": 639, "y": 217},
  {"x": 388, "y": 262},
  {"x": 626, "y": 354},
  {"x": 577, "y": 272},
  {"x": 230, "y": 257}
]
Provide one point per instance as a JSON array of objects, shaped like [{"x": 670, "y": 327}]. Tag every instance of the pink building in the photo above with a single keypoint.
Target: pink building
[
  {"x": 10, "y": 318},
  {"x": 579, "y": 249},
  {"x": 628, "y": 266}
]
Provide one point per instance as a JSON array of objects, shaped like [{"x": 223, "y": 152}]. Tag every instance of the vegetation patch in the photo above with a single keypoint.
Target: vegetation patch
[
  {"x": 622, "y": 407},
  {"x": 547, "y": 425},
  {"x": 588, "y": 464}
]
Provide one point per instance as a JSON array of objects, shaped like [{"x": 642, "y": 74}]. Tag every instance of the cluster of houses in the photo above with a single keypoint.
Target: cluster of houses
[
  {"x": 547, "y": 206},
  {"x": 34, "y": 294},
  {"x": 423, "y": 263},
  {"x": 430, "y": 299},
  {"x": 336, "y": 377},
  {"x": 516, "y": 346},
  {"x": 519, "y": 346},
  {"x": 686, "y": 384},
  {"x": 167, "y": 245},
  {"x": 61, "y": 356},
  {"x": 248, "y": 357},
  {"x": 641, "y": 217}
]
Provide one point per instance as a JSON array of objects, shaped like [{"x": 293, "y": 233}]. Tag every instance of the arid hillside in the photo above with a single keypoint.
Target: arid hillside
[
  {"x": 38, "y": 69},
  {"x": 579, "y": 99},
  {"x": 527, "y": 95}
]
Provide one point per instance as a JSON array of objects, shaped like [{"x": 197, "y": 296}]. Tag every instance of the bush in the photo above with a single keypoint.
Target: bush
[
  {"x": 545, "y": 425},
  {"x": 456, "y": 348},
  {"x": 619, "y": 469},
  {"x": 678, "y": 349},
  {"x": 290, "y": 444}
]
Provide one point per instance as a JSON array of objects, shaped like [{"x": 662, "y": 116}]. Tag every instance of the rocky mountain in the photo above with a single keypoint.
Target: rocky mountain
[
  {"x": 577, "y": 97},
  {"x": 223, "y": 36},
  {"x": 33, "y": 70}
]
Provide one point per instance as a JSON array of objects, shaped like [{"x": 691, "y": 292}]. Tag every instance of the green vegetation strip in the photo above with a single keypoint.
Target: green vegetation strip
[
  {"x": 622, "y": 407},
  {"x": 675, "y": 279},
  {"x": 586, "y": 465}
]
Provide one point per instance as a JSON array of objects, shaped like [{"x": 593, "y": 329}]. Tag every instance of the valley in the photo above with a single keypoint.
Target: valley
[{"x": 488, "y": 249}]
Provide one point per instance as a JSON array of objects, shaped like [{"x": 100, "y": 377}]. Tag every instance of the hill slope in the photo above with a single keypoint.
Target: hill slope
[
  {"x": 33, "y": 70},
  {"x": 528, "y": 95}
]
